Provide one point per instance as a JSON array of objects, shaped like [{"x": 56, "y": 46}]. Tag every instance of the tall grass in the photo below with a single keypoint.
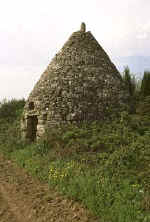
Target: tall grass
[{"x": 103, "y": 165}]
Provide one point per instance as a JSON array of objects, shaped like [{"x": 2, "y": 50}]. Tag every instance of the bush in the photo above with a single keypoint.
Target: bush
[
  {"x": 10, "y": 138},
  {"x": 10, "y": 110},
  {"x": 103, "y": 165},
  {"x": 143, "y": 108}
]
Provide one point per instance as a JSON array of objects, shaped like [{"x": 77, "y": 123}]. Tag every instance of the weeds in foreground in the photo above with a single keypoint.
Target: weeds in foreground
[{"x": 105, "y": 166}]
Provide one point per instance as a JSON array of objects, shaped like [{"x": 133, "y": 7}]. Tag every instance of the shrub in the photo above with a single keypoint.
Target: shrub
[
  {"x": 10, "y": 110},
  {"x": 103, "y": 165},
  {"x": 144, "y": 107}
]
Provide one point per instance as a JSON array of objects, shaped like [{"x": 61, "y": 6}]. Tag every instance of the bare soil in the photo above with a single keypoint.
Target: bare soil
[{"x": 25, "y": 199}]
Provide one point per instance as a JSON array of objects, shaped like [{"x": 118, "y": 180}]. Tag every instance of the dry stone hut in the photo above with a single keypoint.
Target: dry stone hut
[{"x": 80, "y": 84}]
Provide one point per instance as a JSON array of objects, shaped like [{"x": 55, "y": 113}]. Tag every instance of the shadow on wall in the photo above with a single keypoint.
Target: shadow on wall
[{"x": 32, "y": 122}]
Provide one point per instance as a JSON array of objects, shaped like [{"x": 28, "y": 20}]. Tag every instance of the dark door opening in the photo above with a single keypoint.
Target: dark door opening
[{"x": 32, "y": 122}]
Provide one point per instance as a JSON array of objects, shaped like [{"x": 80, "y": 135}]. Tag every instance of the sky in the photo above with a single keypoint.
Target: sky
[{"x": 33, "y": 31}]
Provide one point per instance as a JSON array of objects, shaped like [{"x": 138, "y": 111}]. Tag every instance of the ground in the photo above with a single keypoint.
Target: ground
[{"x": 25, "y": 199}]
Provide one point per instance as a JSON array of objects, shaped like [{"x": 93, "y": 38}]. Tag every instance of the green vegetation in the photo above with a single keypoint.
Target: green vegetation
[
  {"x": 129, "y": 80},
  {"x": 11, "y": 110},
  {"x": 10, "y": 113},
  {"x": 105, "y": 165},
  {"x": 132, "y": 88},
  {"x": 145, "y": 86},
  {"x": 143, "y": 107}
]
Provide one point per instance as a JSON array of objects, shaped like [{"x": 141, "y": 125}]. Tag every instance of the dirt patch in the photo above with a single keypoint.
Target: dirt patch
[{"x": 25, "y": 199}]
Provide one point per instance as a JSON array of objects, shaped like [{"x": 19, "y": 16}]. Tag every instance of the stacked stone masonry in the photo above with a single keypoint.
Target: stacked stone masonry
[{"x": 80, "y": 84}]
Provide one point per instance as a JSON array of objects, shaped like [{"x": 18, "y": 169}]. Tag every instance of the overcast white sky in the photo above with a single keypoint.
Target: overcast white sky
[{"x": 32, "y": 31}]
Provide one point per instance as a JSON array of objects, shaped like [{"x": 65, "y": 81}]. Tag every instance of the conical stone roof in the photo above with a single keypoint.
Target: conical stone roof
[{"x": 80, "y": 84}]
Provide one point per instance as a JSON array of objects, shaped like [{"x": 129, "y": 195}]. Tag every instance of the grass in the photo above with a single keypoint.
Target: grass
[{"x": 106, "y": 166}]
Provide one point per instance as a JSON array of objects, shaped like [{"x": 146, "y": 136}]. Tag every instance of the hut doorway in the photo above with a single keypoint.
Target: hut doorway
[{"x": 32, "y": 122}]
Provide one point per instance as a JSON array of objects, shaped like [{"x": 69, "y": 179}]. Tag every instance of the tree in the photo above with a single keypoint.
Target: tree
[
  {"x": 129, "y": 80},
  {"x": 130, "y": 83},
  {"x": 145, "y": 86}
]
